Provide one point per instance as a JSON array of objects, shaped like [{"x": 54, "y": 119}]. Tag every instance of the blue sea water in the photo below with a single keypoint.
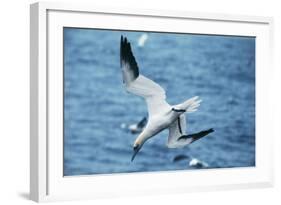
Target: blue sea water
[{"x": 219, "y": 69}]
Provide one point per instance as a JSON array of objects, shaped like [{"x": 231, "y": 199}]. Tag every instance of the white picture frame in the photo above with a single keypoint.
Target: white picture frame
[{"x": 46, "y": 179}]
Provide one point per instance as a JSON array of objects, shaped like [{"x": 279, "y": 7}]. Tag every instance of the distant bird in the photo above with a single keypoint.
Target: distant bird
[
  {"x": 142, "y": 39},
  {"x": 135, "y": 128},
  {"x": 194, "y": 162},
  {"x": 198, "y": 163},
  {"x": 180, "y": 157},
  {"x": 161, "y": 114}
]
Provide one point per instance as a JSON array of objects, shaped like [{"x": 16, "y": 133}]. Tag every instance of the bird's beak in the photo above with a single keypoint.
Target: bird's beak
[{"x": 136, "y": 150}]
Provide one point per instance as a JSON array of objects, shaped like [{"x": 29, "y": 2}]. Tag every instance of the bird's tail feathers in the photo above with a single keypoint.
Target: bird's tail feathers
[{"x": 191, "y": 105}]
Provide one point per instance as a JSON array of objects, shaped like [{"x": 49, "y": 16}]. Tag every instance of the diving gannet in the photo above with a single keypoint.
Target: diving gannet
[{"x": 161, "y": 114}]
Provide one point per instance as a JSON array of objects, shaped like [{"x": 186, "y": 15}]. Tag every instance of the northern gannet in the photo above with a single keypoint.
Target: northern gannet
[
  {"x": 161, "y": 114},
  {"x": 136, "y": 127},
  {"x": 193, "y": 162}
]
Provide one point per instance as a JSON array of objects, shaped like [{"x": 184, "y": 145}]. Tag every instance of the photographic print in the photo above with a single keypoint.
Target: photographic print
[{"x": 139, "y": 101}]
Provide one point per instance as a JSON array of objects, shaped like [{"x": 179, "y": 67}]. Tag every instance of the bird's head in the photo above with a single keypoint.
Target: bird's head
[
  {"x": 136, "y": 148},
  {"x": 140, "y": 140}
]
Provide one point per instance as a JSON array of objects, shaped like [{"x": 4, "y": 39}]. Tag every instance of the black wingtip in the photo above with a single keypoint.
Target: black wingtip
[
  {"x": 196, "y": 136},
  {"x": 127, "y": 57},
  {"x": 211, "y": 130}
]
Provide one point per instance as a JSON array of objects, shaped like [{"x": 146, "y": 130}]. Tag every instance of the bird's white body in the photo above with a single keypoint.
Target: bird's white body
[{"x": 161, "y": 115}]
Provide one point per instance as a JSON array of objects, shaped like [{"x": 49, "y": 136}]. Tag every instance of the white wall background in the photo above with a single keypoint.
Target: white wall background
[{"x": 14, "y": 102}]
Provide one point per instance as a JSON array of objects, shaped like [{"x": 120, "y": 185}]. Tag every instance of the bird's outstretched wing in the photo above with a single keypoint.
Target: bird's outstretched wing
[
  {"x": 138, "y": 84},
  {"x": 176, "y": 130},
  {"x": 178, "y": 137}
]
